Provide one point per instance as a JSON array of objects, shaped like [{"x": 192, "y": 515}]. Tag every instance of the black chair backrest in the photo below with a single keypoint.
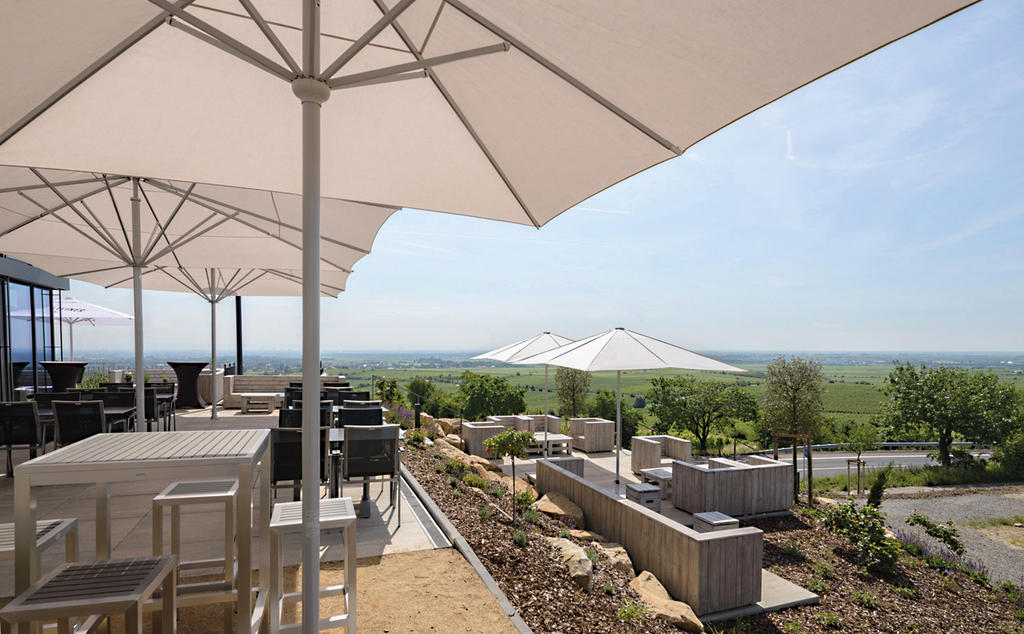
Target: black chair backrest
[
  {"x": 19, "y": 423},
  {"x": 151, "y": 411},
  {"x": 360, "y": 415},
  {"x": 287, "y": 454},
  {"x": 353, "y": 395},
  {"x": 370, "y": 451},
  {"x": 292, "y": 418},
  {"x": 166, "y": 387},
  {"x": 116, "y": 399},
  {"x": 77, "y": 420},
  {"x": 45, "y": 399}
]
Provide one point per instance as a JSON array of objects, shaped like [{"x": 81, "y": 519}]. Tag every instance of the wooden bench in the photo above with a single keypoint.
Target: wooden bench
[
  {"x": 661, "y": 477},
  {"x": 259, "y": 402},
  {"x": 645, "y": 494},
  {"x": 713, "y": 521},
  {"x": 97, "y": 590}
]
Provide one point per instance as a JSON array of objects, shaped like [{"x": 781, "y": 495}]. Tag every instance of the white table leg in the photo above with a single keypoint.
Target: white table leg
[
  {"x": 243, "y": 518},
  {"x": 102, "y": 521},
  {"x": 26, "y": 552},
  {"x": 350, "y": 574},
  {"x": 266, "y": 508},
  {"x": 158, "y": 529}
]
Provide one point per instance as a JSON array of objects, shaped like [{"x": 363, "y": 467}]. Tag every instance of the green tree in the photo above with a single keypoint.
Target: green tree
[
  {"x": 387, "y": 390},
  {"x": 603, "y": 406},
  {"x": 861, "y": 437},
  {"x": 950, "y": 401},
  {"x": 421, "y": 389},
  {"x": 513, "y": 444},
  {"x": 639, "y": 402},
  {"x": 571, "y": 389},
  {"x": 485, "y": 395},
  {"x": 699, "y": 407},
  {"x": 792, "y": 396}
]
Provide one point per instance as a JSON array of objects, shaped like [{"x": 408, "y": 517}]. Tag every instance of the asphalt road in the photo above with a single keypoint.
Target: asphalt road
[{"x": 830, "y": 463}]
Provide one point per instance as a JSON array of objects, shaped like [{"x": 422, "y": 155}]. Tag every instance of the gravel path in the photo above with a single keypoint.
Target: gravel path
[{"x": 1004, "y": 562}]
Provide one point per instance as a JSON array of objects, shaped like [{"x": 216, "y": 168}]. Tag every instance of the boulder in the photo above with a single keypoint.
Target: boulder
[
  {"x": 485, "y": 473},
  {"x": 618, "y": 556},
  {"x": 587, "y": 536},
  {"x": 486, "y": 464},
  {"x": 561, "y": 508},
  {"x": 581, "y": 569},
  {"x": 521, "y": 485},
  {"x": 662, "y": 605},
  {"x": 454, "y": 441}
]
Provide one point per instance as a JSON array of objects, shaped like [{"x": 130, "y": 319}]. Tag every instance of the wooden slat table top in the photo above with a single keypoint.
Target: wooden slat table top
[
  {"x": 154, "y": 447},
  {"x": 82, "y": 589}
]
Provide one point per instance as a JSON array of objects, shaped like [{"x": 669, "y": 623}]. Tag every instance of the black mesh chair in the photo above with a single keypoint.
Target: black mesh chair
[
  {"x": 156, "y": 410},
  {"x": 169, "y": 405},
  {"x": 78, "y": 420},
  {"x": 287, "y": 458},
  {"x": 353, "y": 395},
  {"x": 45, "y": 399},
  {"x": 372, "y": 452},
  {"x": 292, "y": 418},
  {"x": 326, "y": 411},
  {"x": 120, "y": 399},
  {"x": 360, "y": 413},
  {"x": 20, "y": 428}
]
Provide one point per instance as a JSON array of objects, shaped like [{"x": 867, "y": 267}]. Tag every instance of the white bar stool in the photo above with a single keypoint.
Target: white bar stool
[
  {"x": 175, "y": 496},
  {"x": 287, "y": 519}
]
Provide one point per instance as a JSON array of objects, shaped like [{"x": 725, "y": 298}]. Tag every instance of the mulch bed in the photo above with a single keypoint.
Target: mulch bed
[
  {"x": 803, "y": 551},
  {"x": 532, "y": 577}
]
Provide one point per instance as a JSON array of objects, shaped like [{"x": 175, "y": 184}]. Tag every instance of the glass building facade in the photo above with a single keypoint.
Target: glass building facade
[{"x": 31, "y": 333}]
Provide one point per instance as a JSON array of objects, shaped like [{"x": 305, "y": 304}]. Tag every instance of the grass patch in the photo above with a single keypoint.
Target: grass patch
[
  {"x": 485, "y": 512},
  {"x": 519, "y": 537},
  {"x": 817, "y": 586},
  {"x": 591, "y": 555},
  {"x": 630, "y": 612},
  {"x": 828, "y": 620},
  {"x": 995, "y": 521},
  {"x": 531, "y": 516},
  {"x": 866, "y": 600},
  {"x": 609, "y": 588},
  {"x": 905, "y": 592},
  {"x": 824, "y": 571},
  {"x": 924, "y": 476}
]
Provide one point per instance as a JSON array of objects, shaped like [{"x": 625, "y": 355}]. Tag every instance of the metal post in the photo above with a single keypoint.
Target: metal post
[
  {"x": 213, "y": 356},
  {"x": 140, "y": 376},
  {"x": 71, "y": 340},
  {"x": 312, "y": 93},
  {"x": 810, "y": 474},
  {"x": 416, "y": 409},
  {"x": 618, "y": 423},
  {"x": 238, "y": 335}
]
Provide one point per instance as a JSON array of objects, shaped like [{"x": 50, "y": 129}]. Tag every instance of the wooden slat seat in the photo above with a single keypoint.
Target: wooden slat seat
[{"x": 96, "y": 590}]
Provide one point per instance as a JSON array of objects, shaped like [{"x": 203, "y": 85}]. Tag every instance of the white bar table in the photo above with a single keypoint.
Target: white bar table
[{"x": 158, "y": 456}]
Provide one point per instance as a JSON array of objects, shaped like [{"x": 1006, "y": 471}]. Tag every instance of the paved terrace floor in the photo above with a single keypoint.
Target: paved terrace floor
[{"x": 202, "y": 525}]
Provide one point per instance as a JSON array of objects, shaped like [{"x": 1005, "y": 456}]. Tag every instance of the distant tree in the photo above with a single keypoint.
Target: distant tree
[
  {"x": 948, "y": 401},
  {"x": 387, "y": 391},
  {"x": 571, "y": 388},
  {"x": 697, "y": 406},
  {"x": 420, "y": 389},
  {"x": 791, "y": 401},
  {"x": 485, "y": 395},
  {"x": 639, "y": 402},
  {"x": 603, "y": 406}
]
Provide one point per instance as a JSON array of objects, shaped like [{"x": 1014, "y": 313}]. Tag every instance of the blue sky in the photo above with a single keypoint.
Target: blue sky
[{"x": 879, "y": 208}]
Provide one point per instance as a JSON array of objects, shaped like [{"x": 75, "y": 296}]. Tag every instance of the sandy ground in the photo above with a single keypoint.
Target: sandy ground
[
  {"x": 1012, "y": 536},
  {"x": 423, "y": 591}
]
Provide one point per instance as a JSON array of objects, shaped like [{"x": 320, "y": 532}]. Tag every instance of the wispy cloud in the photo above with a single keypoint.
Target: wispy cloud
[
  {"x": 972, "y": 229},
  {"x": 789, "y": 146}
]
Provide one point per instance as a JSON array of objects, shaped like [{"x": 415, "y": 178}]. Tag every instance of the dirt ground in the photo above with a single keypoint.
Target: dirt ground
[
  {"x": 1011, "y": 536},
  {"x": 422, "y": 591}
]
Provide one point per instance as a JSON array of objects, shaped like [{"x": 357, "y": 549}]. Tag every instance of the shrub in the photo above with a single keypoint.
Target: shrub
[
  {"x": 456, "y": 467},
  {"x": 824, "y": 571},
  {"x": 456, "y": 493},
  {"x": 531, "y": 516},
  {"x": 523, "y": 500},
  {"x": 609, "y": 588},
  {"x": 485, "y": 512},
  {"x": 414, "y": 438},
  {"x": 905, "y": 592},
  {"x": 519, "y": 537},
  {"x": 591, "y": 555},
  {"x": 438, "y": 469},
  {"x": 498, "y": 492},
  {"x": 946, "y": 533},
  {"x": 877, "y": 488},
  {"x": 564, "y": 533},
  {"x": 474, "y": 480},
  {"x": 865, "y": 528},
  {"x": 1010, "y": 454},
  {"x": 817, "y": 585},
  {"x": 828, "y": 620},
  {"x": 866, "y": 600},
  {"x": 630, "y": 612},
  {"x": 454, "y": 482}
]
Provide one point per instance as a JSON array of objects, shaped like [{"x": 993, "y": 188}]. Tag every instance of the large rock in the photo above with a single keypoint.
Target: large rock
[
  {"x": 449, "y": 425},
  {"x": 486, "y": 464},
  {"x": 561, "y": 508},
  {"x": 618, "y": 556},
  {"x": 581, "y": 569},
  {"x": 454, "y": 441},
  {"x": 521, "y": 485},
  {"x": 588, "y": 536},
  {"x": 662, "y": 605},
  {"x": 485, "y": 473}
]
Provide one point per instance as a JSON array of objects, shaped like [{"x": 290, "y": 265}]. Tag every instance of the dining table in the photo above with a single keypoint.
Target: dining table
[{"x": 105, "y": 459}]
